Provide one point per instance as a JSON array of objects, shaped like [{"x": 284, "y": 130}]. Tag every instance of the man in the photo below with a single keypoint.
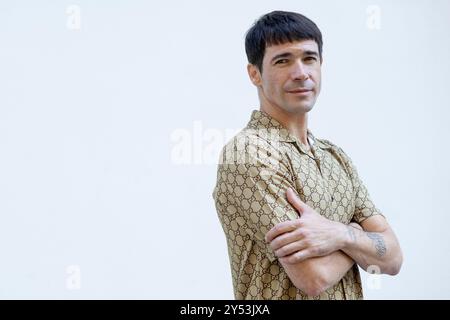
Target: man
[{"x": 297, "y": 218}]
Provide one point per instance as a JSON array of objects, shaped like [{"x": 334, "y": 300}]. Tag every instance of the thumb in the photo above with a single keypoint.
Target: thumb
[{"x": 296, "y": 201}]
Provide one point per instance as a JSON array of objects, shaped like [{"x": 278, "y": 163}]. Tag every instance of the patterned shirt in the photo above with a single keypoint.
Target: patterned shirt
[{"x": 255, "y": 169}]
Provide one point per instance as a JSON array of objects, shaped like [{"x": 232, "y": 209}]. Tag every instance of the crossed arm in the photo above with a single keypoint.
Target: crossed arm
[{"x": 316, "y": 252}]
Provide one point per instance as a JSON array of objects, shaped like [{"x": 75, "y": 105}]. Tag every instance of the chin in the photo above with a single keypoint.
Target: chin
[{"x": 300, "y": 108}]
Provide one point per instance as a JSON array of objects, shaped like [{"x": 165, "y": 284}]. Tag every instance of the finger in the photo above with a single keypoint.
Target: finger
[
  {"x": 285, "y": 239},
  {"x": 297, "y": 257},
  {"x": 290, "y": 248},
  {"x": 296, "y": 202},
  {"x": 281, "y": 228}
]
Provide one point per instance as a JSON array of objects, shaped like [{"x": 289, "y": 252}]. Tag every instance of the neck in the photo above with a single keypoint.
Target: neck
[{"x": 295, "y": 123}]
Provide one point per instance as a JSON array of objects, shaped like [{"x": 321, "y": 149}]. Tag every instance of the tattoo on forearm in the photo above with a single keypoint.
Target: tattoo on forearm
[{"x": 378, "y": 241}]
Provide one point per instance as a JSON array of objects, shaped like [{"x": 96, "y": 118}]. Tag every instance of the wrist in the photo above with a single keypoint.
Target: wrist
[
  {"x": 352, "y": 229},
  {"x": 343, "y": 236}
]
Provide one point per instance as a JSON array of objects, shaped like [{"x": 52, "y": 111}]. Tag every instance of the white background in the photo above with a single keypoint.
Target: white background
[{"x": 89, "y": 117}]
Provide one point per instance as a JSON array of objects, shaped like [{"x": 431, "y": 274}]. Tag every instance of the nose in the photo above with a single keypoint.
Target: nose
[{"x": 299, "y": 72}]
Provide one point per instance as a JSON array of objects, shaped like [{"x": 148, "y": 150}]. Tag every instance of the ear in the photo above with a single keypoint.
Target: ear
[{"x": 254, "y": 74}]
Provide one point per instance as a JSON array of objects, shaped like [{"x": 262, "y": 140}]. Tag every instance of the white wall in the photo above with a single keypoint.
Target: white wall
[{"x": 90, "y": 113}]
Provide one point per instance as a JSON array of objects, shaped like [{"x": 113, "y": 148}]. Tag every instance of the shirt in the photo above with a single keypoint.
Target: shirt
[{"x": 255, "y": 169}]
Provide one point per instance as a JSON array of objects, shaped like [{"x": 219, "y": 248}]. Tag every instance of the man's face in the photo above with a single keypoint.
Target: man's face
[{"x": 291, "y": 76}]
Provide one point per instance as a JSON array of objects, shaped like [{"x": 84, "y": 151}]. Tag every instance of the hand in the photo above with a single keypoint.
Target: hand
[
  {"x": 355, "y": 225},
  {"x": 311, "y": 235}
]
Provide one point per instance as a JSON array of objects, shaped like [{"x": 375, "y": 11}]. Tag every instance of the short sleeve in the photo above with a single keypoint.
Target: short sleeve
[
  {"x": 252, "y": 194},
  {"x": 364, "y": 206}
]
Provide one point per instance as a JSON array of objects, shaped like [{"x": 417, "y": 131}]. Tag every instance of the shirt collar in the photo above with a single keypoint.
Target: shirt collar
[{"x": 268, "y": 127}]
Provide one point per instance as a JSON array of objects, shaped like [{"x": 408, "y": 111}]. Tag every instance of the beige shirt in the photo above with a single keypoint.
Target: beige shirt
[{"x": 256, "y": 168}]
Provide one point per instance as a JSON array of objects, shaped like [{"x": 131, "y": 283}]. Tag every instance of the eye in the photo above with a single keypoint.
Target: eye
[
  {"x": 281, "y": 61},
  {"x": 311, "y": 59}
]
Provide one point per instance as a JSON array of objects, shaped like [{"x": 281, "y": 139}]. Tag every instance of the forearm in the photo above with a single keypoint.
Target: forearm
[
  {"x": 315, "y": 275},
  {"x": 379, "y": 249},
  {"x": 334, "y": 267}
]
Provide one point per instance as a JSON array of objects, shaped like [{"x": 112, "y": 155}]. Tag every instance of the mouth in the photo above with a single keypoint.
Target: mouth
[{"x": 300, "y": 92}]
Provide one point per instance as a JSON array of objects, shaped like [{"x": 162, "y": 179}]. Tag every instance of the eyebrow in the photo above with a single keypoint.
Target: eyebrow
[{"x": 288, "y": 55}]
